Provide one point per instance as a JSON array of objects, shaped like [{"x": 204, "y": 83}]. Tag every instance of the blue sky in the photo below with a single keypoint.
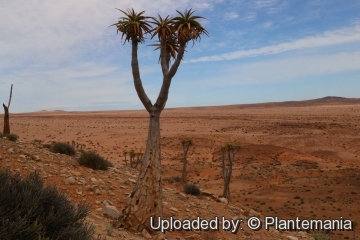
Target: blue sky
[{"x": 63, "y": 54}]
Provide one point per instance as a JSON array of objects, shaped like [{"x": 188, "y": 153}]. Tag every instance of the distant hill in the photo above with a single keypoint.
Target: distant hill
[{"x": 329, "y": 100}]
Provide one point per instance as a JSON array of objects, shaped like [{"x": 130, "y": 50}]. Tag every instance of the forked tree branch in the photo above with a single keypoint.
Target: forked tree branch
[
  {"x": 137, "y": 80},
  {"x": 10, "y": 96}
]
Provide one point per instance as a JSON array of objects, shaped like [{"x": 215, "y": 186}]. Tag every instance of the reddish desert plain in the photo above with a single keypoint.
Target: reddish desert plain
[{"x": 298, "y": 159}]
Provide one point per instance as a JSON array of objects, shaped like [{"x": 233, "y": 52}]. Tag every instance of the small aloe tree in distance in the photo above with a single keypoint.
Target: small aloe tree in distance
[
  {"x": 6, "y": 129},
  {"x": 186, "y": 143},
  {"x": 228, "y": 150},
  {"x": 145, "y": 200}
]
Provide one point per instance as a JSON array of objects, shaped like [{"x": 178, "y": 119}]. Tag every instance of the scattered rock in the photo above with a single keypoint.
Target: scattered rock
[
  {"x": 70, "y": 180},
  {"x": 146, "y": 234},
  {"x": 111, "y": 211},
  {"x": 94, "y": 180},
  {"x": 132, "y": 180},
  {"x": 173, "y": 210},
  {"x": 223, "y": 200},
  {"x": 192, "y": 237},
  {"x": 161, "y": 237},
  {"x": 98, "y": 192},
  {"x": 75, "y": 173},
  {"x": 108, "y": 202},
  {"x": 79, "y": 190},
  {"x": 292, "y": 237}
]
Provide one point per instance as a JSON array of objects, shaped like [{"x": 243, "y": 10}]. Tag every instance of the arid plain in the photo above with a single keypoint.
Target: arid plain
[{"x": 297, "y": 158}]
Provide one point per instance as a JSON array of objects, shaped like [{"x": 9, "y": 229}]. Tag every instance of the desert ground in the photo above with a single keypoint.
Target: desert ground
[{"x": 297, "y": 158}]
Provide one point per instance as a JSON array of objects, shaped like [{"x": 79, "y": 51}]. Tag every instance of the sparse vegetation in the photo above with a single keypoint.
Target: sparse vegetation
[
  {"x": 173, "y": 179},
  {"x": 94, "y": 161},
  {"x": 28, "y": 210},
  {"x": 320, "y": 236},
  {"x": 12, "y": 137},
  {"x": 62, "y": 148},
  {"x": 192, "y": 189}
]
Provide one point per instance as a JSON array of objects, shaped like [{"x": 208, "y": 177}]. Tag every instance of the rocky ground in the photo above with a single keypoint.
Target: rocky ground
[
  {"x": 297, "y": 160},
  {"x": 107, "y": 191}
]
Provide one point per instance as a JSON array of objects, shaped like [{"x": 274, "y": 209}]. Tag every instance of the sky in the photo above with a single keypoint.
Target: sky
[{"x": 63, "y": 55}]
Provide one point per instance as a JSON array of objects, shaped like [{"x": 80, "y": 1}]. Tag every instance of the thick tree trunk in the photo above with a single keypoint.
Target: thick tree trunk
[
  {"x": 6, "y": 129},
  {"x": 146, "y": 198},
  {"x": 227, "y": 178}
]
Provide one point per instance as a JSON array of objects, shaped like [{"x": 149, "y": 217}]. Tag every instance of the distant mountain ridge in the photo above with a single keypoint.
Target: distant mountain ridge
[{"x": 329, "y": 100}]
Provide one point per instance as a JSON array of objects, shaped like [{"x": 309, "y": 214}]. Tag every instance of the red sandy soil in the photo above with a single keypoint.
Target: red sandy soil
[{"x": 297, "y": 158}]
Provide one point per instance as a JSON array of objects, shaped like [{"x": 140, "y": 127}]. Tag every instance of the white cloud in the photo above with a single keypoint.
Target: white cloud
[
  {"x": 330, "y": 38},
  {"x": 231, "y": 15},
  {"x": 49, "y": 32},
  {"x": 267, "y": 25},
  {"x": 286, "y": 69},
  {"x": 249, "y": 17}
]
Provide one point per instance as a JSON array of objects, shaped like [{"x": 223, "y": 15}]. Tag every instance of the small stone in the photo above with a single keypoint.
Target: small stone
[
  {"x": 11, "y": 150},
  {"x": 79, "y": 190},
  {"x": 22, "y": 156},
  {"x": 94, "y": 180},
  {"x": 70, "y": 180},
  {"x": 111, "y": 193},
  {"x": 98, "y": 192},
  {"x": 223, "y": 200},
  {"x": 192, "y": 237},
  {"x": 101, "y": 182},
  {"x": 292, "y": 237},
  {"x": 132, "y": 180},
  {"x": 108, "y": 202},
  {"x": 145, "y": 234},
  {"x": 75, "y": 173},
  {"x": 173, "y": 210},
  {"x": 111, "y": 211},
  {"x": 161, "y": 236}
]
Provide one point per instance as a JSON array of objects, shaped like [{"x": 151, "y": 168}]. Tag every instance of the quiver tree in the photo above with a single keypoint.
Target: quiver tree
[
  {"x": 228, "y": 151},
  {"x": 125, "y": 154},
  {"x": 139, "y": 156},
  {"x": 145, "y": 200},
  {"x": 132, "y": 155},
  {"x": 186, "y": 143},
  {"x": 6, "y": 129}
]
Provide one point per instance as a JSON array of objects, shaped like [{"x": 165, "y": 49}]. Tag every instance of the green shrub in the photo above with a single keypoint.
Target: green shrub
[
  {"x": 176, "y": 178},
  {"x": 63, "y": 148},
  {"x": 28, "y": 210},
  {"x": 192, "y": 189},
  {"x": 94, "y": 161},
  {"x": 173, "y": 179},
  {"x": 320, "y": 236},
  {"x": 12, "y": 137}
]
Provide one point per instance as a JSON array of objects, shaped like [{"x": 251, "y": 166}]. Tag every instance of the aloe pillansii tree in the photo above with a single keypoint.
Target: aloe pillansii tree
[
  {"x": 6, "y": 130},
  {"x": 174, "y": 34}
]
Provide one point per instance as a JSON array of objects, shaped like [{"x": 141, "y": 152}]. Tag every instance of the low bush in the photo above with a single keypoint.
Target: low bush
[
  {"x": 320, "y": 236},
  {"x": 192, "y": 189},
  {"x": 173, "y": 179},
  {"x": 62, "y": 148},
  {"x": 94, "y": 161},
  {"x": 28, "y": 210},
  {"x": 12, "y": 137}
]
